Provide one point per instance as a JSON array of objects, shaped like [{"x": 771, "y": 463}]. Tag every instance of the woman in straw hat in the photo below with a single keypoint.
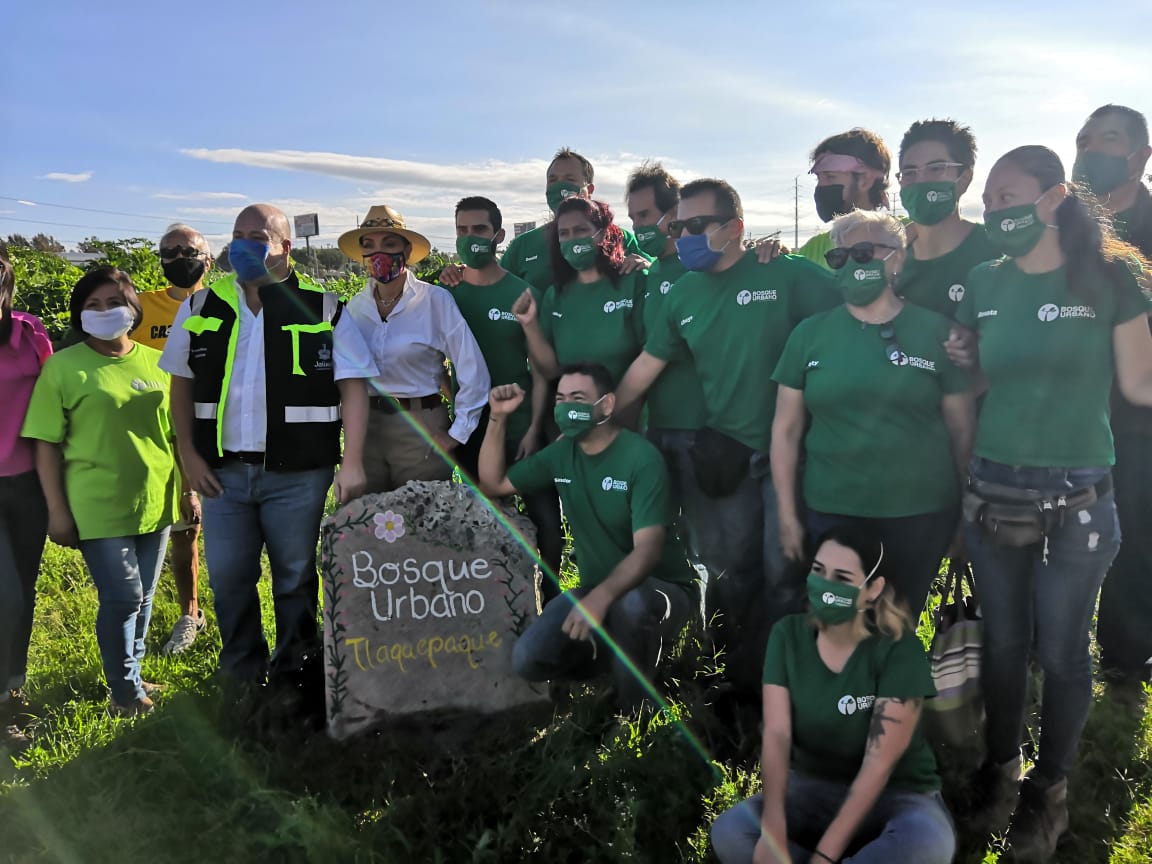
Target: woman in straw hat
[{"x": 411, "y": 327}]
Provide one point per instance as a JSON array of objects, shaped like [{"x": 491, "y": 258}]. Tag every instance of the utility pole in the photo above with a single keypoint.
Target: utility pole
[{"x": 796, "y": 215}]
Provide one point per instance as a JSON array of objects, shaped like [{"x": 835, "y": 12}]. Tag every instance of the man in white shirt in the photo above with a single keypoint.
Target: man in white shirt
[
  {"x": 411, "y": 327},
  {"x": 264, "y": 365}
]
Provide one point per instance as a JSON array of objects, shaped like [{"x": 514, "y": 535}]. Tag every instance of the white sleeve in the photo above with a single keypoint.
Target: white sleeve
[
  {"x": 461, "y": 347},
  {"x": 351, "y": 356},
  {"x": 174, "y": 359}
]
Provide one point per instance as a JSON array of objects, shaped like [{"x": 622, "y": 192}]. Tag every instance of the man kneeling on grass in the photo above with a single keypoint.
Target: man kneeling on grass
[{"x": 636, "y": 590}]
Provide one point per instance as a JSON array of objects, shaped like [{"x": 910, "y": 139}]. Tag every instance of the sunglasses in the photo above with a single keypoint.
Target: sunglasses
[
  {"x": 891, "y": 346},
  {"x": 170, "y": 253},
  {"x": 861, "y": 253},
  {"x": 695, "y": 225}
]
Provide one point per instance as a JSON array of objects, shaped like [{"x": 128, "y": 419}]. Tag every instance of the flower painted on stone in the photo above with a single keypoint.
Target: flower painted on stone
[{"x": 389, "y": 526}]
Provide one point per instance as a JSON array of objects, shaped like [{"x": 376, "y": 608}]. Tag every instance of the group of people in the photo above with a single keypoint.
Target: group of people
[{"x": 781, "y": 446}]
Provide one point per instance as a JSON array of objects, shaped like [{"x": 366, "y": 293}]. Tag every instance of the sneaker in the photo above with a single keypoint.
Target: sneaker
[
  {"x": 13, "y": 739},
  {"x": 185, "y": 632},
  {"x": 1039, "y": 822},
  {"x": 135, "y": 708},
  {"x": 994, "y": 795},
  {"x": 151, "y": 690}
]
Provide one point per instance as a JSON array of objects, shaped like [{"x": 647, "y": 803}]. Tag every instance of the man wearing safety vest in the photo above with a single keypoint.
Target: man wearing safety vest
[{"x": 265, "y": 373}]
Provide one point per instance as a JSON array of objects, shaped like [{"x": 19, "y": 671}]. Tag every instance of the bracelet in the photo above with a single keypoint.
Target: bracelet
[
  {"x": 827, "y": 858},
  {"x": 191, "y": 494}
]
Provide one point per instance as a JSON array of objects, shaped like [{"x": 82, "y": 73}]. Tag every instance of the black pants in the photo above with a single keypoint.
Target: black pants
[
  {"x": 1124, "y": 620},
  {"x": 541, "y": 508},
  {"x": 23, "y": 528}
]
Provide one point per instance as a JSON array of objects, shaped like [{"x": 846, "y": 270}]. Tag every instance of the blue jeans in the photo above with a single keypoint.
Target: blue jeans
[
  {"x": 279, "y": 510},
  {"x": 641, "y": 623},
  {"x": 749, "y": 585},
  {"x": 23, "y": 528},
  {"x": 124, "y": 570},
  {"x": 1027, "y": 601},
  {"x": 902, "y": 826},
  {"x": 913, "y": 547}
]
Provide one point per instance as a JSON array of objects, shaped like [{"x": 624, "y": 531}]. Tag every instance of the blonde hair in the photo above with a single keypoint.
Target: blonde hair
[{"x": 877, "y": 221}]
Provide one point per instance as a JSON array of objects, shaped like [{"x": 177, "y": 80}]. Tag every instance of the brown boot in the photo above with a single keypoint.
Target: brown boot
[
  {"x": 135, "y": 708},
  {"x": 995, "y": 792},
  {"x": 1039, "y": 822}
]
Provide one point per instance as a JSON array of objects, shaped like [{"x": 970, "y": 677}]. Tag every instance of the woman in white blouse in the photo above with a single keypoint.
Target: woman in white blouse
[{"x": 411, "y": 327}]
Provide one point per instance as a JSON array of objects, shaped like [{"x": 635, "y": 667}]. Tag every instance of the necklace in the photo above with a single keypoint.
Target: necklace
[{"x": 391, "y": 302}]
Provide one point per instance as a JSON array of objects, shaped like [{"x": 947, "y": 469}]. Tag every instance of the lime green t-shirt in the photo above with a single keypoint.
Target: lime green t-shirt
[
  {"x": 487, "y": 309},
  {"x": 527, "y": 256},
  {"x": 676, "y": 399},
  {"x": 1047, "y": 354},
  {"x": 815, "y": 248},
  {"x": 110, "y": 416},
  {"x": 598, "y": 322},
  {"x": 939, "y": 283},
  {"x": 607, "y": 497},
  {"x": 877, "y": 445},
  {"x": 735, "y": 324},
  {"x": 832, "y": 711}
]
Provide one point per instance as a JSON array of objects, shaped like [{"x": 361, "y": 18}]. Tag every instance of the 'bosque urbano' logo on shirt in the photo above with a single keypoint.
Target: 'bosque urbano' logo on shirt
[
  {"x": 665, "y": 287},
  {"x": 497, "y": 315},
  {"x": 1050, "y": 312},
  {"x": 956, "y": 293},
  {"x": 745, "y": 297},
  {"x": 849, "y": 704},
  {"x": 616, "y": 305},
  {"x": 610, "y": 485}
]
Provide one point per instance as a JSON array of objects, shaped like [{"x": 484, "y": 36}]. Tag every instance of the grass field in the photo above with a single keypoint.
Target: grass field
[{"x": 181, "y": 785}]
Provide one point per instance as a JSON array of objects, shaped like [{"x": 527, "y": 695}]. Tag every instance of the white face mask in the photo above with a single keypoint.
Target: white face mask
[{"x": 108, "y": 325}]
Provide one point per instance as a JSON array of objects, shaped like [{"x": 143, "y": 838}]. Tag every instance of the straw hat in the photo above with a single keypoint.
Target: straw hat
[{"x": 383, "y": 218}]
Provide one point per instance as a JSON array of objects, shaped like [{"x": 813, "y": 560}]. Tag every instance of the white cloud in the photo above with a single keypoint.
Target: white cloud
[
  {"x": 201, "y": 196},
  {"x": 64, "y": 177},
  {"x": 27, "y": 203}
]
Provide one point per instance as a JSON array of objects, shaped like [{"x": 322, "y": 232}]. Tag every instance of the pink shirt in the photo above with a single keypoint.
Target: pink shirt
[{"x": 20, "y": 362}]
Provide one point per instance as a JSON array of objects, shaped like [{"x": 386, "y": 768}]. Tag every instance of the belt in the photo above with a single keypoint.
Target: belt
[
  {"x": 248, "y": 457},
  {"x": 393, "y": 404}
]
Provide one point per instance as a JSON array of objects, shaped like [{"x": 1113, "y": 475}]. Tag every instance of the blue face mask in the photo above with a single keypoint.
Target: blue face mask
[
  {"x": 248, "y": 258},
  {"x": 696, "y": 253}
]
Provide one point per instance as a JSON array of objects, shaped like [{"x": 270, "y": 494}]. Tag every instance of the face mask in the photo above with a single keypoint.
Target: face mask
[
  {"x": 830, "y": 202},
  {"x": 183, "y": 272},
  {"x": 696, "y": 253},
  {"x": 576, "y": 419},
  {"x": 475, "y": 251},
  {"x": 558, "y": 191},
  {"x": 1100, "y": 172},
  {"x": 650, "y": 240},
  {"x": 1014, "y": 231},
  {"x": 385, "y": 266},
  {"x": 832, "y": 602},
  {"x": 861, "y": 284},
  {"x": 248, "y": 259},
  {"x": 108, "y": 325},
  {"x": 929, "y": 203},
  {"x": 579, "y": 252}
]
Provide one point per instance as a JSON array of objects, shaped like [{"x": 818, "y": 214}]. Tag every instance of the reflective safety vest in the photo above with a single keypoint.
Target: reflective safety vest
[{"x": 303, "y": 401}]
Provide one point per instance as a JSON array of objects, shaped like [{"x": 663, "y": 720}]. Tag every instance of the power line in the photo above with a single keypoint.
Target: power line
[
  {"x": 136, "y": 231},
  {"x": 106, "y": 212}
]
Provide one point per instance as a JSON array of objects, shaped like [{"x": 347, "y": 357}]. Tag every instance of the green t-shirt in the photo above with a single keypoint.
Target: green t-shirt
[
  {"x": 607, "y": 497},
  {"x": 599, "y": 322},
  {"x": 832, "y": 712},
  {"x": 487, "y": 309},
  {"x": 1047, "y": 354},
  {"x": 735, "y": 324},
  {"x": 676, "y": 399},
  {"x": 877, "y": 445},
  {"x": 815, "y": 248},
  {"x": 527, "y": 256},
  {"x": 110, "y": 416},
  {"x": 938, "y": 283}
]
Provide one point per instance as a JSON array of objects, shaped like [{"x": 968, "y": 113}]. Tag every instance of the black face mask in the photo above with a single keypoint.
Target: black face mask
[
  {"x": 183, "y": 272},
  {"x": 830, "y": 202}
]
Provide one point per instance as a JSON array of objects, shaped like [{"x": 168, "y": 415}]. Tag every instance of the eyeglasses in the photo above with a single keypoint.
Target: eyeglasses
[
  {"x": 929, "y": 172},
  {"x": 694, "y": 225},
  {"x": 168, "y": 253},
  {"x": 861, "y": 253},
  {"x": 891, "y": 346}
]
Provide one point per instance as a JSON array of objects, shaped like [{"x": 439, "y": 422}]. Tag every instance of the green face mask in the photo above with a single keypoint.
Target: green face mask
[
  {"x": 558, "y": 191},
  {"x": 650, "y": 239},
  {"x": 1100, "y": 172},
  {"x": 862, "y": 284},
  {"x": 579, "y": 252},
  {"x": 576, "y": 419},
  {"x": 831, "y": 602},
  {"x": 475, "y": 251},
  {"x": 1014, "y": 231},
  {"x": 929, "y": 203}
]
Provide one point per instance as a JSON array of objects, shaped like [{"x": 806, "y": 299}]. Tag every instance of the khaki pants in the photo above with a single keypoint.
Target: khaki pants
[{"x": 397, "y": 448}]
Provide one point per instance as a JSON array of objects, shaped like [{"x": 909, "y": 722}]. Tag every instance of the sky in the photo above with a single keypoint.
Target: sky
[{"x": 122, "y": 117}]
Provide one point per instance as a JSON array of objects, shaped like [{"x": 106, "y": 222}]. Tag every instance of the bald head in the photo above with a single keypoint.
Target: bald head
[{"x": 263, "y": 218}]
